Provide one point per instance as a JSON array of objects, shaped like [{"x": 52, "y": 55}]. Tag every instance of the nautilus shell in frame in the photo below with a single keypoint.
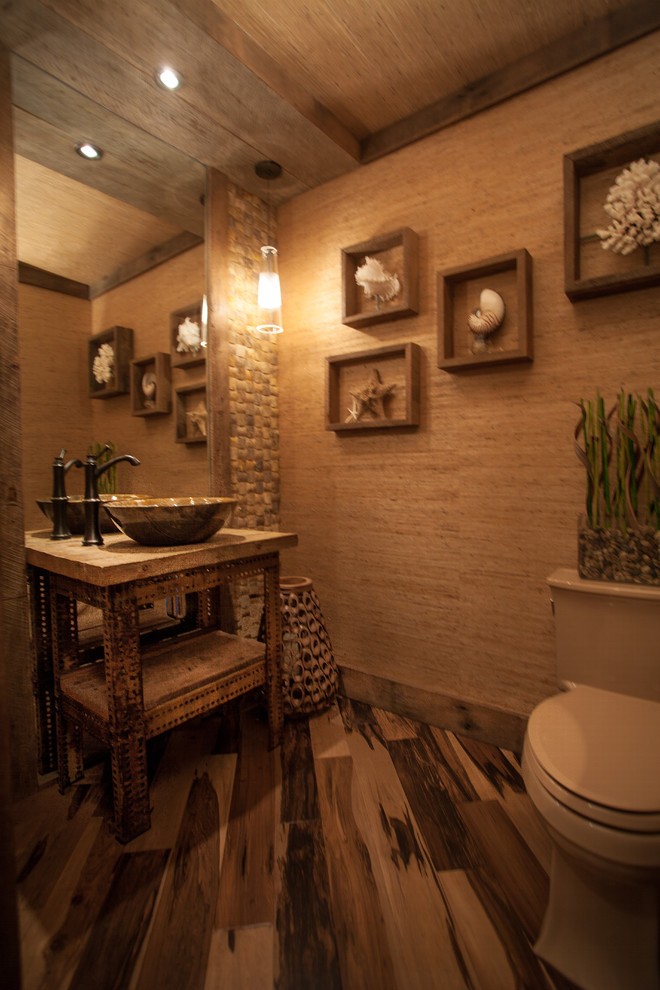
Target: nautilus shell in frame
[
  {"x": 149, "y": 389},
  {"x": 486, "y": 319}
]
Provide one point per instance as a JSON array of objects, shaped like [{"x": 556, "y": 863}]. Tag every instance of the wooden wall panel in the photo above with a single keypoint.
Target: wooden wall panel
[
  {"x": 14, "y": 638},
  {"x": 17, "y": 746},
  {"x": 429, "y": 548},
  {"x": 217, "y": 263}
]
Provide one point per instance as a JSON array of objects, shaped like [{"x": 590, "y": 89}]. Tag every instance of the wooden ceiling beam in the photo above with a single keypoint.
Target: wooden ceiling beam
[
  {"x": 156, "y": 256},
  {"x": 50, "y": 119},
  {"x": 568, "y": 53},
  {"x": 207, "y": 16},
  {"x": 41, "y": 279},
  {"x": 230, "y": 109},
  {"x": 225, "y": 117}
]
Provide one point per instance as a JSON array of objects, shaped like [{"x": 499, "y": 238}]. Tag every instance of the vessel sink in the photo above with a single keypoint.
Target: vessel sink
[
  {"x": 162, "y": 522},
  {"x": 75, "y": 512}
]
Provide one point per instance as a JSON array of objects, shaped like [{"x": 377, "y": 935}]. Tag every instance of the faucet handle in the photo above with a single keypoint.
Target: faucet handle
[
  {"x": 58, "y": 461},
  {"x": 59, "y": 497}
]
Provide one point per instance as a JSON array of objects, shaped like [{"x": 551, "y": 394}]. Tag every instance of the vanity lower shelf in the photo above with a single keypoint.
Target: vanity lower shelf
[{"x": 184, "y": 678}]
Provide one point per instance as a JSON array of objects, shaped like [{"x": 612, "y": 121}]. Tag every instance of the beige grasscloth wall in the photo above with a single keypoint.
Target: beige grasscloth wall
[{"x": 429, "y": 549}]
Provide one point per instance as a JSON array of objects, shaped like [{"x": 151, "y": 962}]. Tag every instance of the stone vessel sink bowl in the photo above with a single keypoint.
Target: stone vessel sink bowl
[
  {"x": 164, "y": 522},
  {"x": 75, "y": 512}
]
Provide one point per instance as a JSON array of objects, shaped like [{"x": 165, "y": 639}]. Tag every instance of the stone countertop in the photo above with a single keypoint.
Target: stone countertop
[{"x": 120, "y": 559}]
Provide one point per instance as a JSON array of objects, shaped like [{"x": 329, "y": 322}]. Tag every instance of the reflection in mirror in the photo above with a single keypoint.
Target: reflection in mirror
[{"x": 102, "y": 246}]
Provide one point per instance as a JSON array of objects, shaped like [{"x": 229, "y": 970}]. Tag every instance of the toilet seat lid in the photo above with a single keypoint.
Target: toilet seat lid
[{"x": 602, "y": 746}]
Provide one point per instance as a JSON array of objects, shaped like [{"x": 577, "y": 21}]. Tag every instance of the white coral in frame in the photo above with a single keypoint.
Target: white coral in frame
[
  {"x": 633, "y": 203},
  {"x": 189, "y": 336},
  {"x": 376, "y": 281},
  {"x": 103, "y": 366}
]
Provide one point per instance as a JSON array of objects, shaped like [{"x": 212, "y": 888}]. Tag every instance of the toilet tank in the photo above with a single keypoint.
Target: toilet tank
[{"x": 607, "y": 634}]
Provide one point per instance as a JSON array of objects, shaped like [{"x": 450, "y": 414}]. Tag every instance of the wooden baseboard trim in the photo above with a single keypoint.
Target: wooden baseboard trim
[{"x": 491, "y": 725}]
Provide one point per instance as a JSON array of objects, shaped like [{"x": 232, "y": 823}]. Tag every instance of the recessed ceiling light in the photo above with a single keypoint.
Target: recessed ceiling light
[
  {"x": 168, "y": 78},
  {"x": 88, "y": 150}
]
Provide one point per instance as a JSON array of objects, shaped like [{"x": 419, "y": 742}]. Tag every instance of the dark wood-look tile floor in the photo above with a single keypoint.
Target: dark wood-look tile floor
[{"x": 369, "y": 851}]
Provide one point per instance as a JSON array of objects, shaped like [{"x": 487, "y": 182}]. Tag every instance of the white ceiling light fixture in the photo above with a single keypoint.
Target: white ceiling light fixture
[
  {"x": 90, "y": 151},
  {"x": 168, "y": 78},
  {"x": 269, "y": 293}
]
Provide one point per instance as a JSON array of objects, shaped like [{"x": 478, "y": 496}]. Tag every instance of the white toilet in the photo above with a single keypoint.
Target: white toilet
[{"x": 591, "y": 766}]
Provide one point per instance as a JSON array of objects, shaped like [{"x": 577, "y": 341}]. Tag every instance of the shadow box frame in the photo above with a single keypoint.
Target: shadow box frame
[
  {"x": 183, "y": 359},
  {"x": 159, "y": 364},
  {"x": 181, "y": 427},
  {"x": 404, "y": 240},
  {"x": 586, "y": 164},
  {"x": 520, "y": 264},
  {"x": 406, "y": 356},
  {"x": 121, "y": 341}
]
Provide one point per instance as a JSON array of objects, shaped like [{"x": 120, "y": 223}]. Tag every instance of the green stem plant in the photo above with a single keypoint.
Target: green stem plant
[
  {"x": 620, "y": 451},
  {"x": 108, "y": 480}
]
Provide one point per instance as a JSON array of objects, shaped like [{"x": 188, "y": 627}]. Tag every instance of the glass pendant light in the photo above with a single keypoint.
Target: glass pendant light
[{"x": 269, "y": 295}]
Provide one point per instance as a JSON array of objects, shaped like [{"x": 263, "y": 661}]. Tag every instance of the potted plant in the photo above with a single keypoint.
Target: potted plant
[{"x": 619, "y": 536}]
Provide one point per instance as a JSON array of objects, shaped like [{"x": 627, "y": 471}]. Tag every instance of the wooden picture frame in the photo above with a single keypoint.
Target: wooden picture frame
[
  {"x": 191, "y": 402},
  {"x": 398, "y": 405},
  {"x": 184, "y": 359},
  {"x": 159, "y": 366},
  {"x": 398, "y": 252},
  {"x": 589, "y": 173},
  {"x": 458, "y": 292},
  {"x": 121, "y": 341}
]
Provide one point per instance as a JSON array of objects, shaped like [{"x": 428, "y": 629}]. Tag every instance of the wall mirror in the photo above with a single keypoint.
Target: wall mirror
[{"x": 116, "y": 240}]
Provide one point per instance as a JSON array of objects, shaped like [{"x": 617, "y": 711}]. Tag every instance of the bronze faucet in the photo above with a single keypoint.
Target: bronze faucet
[
  {"x": 91, "y": 500},
  {"x": 59, "y": 497}
]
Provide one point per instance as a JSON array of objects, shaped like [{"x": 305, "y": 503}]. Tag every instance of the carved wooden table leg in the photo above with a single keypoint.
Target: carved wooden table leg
[
  {"x": 128, "y": 740},
  {"x": 64, "y": 616},
  {"x": 206, "y": 608},
  {"x": 42, "y": 673},
  {"x": 273, "y": 636}
]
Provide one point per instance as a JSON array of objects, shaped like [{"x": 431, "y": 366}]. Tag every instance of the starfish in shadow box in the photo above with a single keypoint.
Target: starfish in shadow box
[{"x": 371, "y": 398}]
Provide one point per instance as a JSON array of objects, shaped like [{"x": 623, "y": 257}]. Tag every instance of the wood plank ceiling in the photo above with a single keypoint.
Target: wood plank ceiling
[{"x": 320, "y": 86}]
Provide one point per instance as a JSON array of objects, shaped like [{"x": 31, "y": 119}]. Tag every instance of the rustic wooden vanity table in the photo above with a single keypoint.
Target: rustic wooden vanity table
[{"x": 138, "y": 690}]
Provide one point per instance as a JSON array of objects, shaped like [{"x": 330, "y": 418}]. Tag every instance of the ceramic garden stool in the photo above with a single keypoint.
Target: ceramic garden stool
[{"x": 309, "y": 670}]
